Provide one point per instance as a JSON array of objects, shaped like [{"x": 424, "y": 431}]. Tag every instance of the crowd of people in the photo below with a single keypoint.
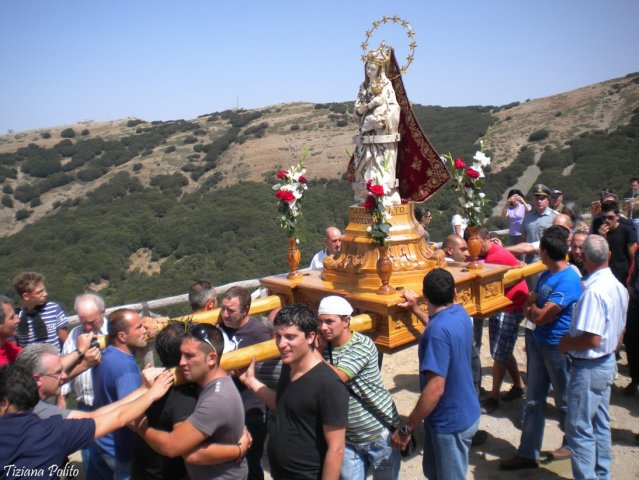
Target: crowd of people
[{"x": 322, "y": 405}]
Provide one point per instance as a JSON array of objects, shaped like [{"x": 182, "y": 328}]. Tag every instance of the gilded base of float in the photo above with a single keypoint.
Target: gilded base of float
[
  {"x": 355, "y": 265},
  {"x": 352, "y": 274}
]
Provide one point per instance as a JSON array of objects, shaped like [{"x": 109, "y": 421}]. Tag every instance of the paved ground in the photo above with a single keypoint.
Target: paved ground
[{"x": 400, "y": 376}]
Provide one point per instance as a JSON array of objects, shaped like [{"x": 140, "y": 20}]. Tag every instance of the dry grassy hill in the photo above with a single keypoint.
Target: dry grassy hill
[{"x": 292, "y": 128}]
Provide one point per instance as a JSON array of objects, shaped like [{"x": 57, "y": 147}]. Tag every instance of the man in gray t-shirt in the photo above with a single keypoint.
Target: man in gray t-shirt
[{"x": 218, "y": 417}]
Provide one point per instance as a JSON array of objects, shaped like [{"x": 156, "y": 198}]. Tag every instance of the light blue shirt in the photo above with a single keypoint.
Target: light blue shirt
[{"x": 601, "y": 310}]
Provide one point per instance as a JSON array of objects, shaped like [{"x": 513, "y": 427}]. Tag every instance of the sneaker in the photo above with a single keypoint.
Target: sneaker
[
  {"x": 479, "y": 438},
  {"x": 490, "y": 405},
  {"x": 517, "y": 463},
  {"x": 631, "y": 389},
  {"x": 513, "y": 394}
]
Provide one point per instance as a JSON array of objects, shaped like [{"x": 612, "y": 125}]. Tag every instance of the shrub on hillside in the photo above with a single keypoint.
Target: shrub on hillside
[
  {"x": 538, "y": 135},
  {"x": 67, "y": 133},
  {"x": 25, "y": 192},
  {"x": 133, "y": 123},
  {"x": 45, "y": 135},
  {"x": 170, "y": 149},
  {"x": 7, "y": 189},
  {"x": 294, "y": 127},
  {"x": 7, "y": 201},
  {"x": 85, "y": 132},
  {"x": 23, "y": 214},
  {"x": 89, "y": 174},
  {"x": 137, "y": 167},
  {"x": 35, "y": 202}
]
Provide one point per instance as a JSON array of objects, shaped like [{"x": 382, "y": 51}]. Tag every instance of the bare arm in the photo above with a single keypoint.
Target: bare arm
[
  {"x": 215, "y": 453},
  {"x": 584, "y": 341},
  {"x": 411, "y": 304},
  {"x": 179, "y": 441},
  {"x": 335, "y": 441},
  {"x": 264, "y": 393},
  {"x": 521, "y": 248},
  {"x": 126, "y": 413},
  {"x": 426, "y": 403},
  {"x": 544, "y": 315}
]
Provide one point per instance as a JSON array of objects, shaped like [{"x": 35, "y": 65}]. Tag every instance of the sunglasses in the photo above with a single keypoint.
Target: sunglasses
[{"x": 199, "y": 332}]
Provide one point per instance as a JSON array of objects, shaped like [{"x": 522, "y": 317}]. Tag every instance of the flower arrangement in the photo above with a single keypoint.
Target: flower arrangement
[
  {"x": 289, "y": 192},
  {"x": 375, "y": 203},
  {"x": 468, "y": 181}
]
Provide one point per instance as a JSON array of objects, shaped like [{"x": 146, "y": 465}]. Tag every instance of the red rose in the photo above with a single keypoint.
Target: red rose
[
  {"x": 281, "y": 174},
  {"x": 377, "y": 190},
  {"x": 368, "y": 184},
  {"x": 459, "y": 164},
  {"x": 472, "y": 173},
  {"x": 302, "y": 179},
  {"x": 285, "y": 196},
  {"x": 369, "y": 203}
]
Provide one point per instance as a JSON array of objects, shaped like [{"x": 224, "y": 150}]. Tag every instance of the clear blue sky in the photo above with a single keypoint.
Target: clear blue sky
[{"x": 64, "y": 61}]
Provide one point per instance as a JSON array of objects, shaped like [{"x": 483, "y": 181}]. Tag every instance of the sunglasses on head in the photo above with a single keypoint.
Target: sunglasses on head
[{"x": 199, "y": 332}]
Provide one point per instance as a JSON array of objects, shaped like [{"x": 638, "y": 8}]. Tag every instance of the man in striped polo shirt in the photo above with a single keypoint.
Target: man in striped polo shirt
[
  {"x": 371, "y": 412},
  {"x": 41, "y": 320}
]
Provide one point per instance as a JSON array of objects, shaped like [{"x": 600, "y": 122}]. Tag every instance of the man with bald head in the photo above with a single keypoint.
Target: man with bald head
[
  {"x": 455, "y": 248},
  {"x": 333, "y": 242},
  {"x": 532, "y": 248}
]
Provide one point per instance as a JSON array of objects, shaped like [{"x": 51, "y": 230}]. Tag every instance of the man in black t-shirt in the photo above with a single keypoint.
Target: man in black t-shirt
[
  {"x": 311, "y": 403},
  {"x": 173, "y": 408}
]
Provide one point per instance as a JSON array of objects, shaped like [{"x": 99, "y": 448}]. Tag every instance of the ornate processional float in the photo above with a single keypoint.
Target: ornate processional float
[{"x": 393, "y": 165}]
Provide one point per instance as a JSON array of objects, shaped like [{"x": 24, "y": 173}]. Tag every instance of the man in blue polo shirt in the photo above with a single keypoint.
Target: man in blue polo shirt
[{"x": 448, "y": 402}]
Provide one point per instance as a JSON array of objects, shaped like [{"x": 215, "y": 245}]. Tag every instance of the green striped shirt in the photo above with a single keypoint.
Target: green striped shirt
[{"x": 358, "y": 360}]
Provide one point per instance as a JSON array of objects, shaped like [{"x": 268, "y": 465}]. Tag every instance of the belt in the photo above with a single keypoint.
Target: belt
[
  {"x": 580, "y": 359},
  {"x": 366, "y": 139}
]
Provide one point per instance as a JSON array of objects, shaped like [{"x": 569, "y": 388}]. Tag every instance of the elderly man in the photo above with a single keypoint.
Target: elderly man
[
  {"x": 8, "y": 325},
  {"x": 372, "y": 416},
  {"x": 202, "y": 296},
  {"x": 90, "y": 310},
  {"x": 31, "y": 443},
  {"x": 597, "y": 324},
  {"x": 117, "y": 376},
  {"x": 218, "y": 416},
  {"x": 333, "y": 242},
  {"x": 550, "y": 308},
  {"x": 448, "y": 404}
]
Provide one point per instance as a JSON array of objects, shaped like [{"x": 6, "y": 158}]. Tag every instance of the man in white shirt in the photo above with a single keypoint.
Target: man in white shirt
[
  {"x": 597, "y": 324},
  {"x": 90, "y": 310},
  {"x": 333, "y": 242}
]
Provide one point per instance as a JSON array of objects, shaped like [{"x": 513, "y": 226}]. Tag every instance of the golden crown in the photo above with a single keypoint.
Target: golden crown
[{"x": 381, "y": 55}]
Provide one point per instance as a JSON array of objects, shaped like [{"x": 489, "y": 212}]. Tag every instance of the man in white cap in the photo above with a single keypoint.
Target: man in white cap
[{"x": 372, "y": 415}]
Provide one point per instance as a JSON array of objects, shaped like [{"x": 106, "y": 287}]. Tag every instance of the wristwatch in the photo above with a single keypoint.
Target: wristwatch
[
  {"x": 404, "y": 429},
  {"x": 80, "y": 354}
]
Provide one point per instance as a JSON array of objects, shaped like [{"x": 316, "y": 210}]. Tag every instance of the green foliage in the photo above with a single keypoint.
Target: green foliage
[
  {"x": 7, "y": 201},
  {"x": 35, "y": 202},
  {"x": 7, "y": 189},
  {"x": 170, "y": 183},
  {"x": 85, "y": 132},
  {"x": 25, "y": 192},
  {"x": 67, "y": 133},
  {"x": 538, "y": 135},
  {"x": 294, "y": 127},
  {"x": 134, "y": 122},
  {"x": 22, "y": 214}
]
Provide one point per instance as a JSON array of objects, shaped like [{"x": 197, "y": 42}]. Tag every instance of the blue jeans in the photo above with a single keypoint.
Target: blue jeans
[
  {"x": 588, "y": 420},
  {"x": 378, "y": 456},
  {"x": 85, "y": 452},
  {"x": 546, "y": 366},
  {"x": 105, "y": 467},
  {"x": 446, "y": 454},
  {"x": 255, "y": 421}
]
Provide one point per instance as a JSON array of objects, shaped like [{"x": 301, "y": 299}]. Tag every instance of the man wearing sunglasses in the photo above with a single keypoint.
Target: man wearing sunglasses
[
  {"x": 621, "y": 240},
  {"x": 218, "y": 416}
]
